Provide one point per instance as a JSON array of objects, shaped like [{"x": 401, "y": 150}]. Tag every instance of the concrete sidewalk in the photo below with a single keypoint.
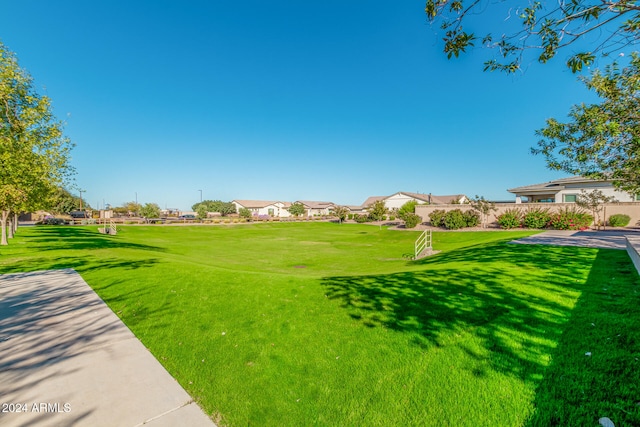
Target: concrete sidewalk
[
  {"x": 67, "y": 360},
  {"x": 591, "y": 239}
]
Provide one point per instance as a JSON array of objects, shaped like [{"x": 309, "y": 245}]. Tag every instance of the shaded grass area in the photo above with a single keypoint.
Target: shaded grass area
[
  {"x": 323, "y": 324},
  {"x": 595, "y": 371}
]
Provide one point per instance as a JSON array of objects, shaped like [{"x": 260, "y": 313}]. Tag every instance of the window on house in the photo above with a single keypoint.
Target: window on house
[
  {"x": 569, "y": 198},
  {"x": 270, "y": 211},
  {"x": 637, "y": 198}
]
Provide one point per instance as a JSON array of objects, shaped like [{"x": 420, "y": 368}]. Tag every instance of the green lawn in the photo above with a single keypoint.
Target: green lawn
[{"x": 326, "y": 324}]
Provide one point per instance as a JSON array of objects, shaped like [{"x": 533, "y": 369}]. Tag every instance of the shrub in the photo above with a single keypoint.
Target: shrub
[
  {"x": 619, "y": 220},
  {"x": 454, "y": 220},
  {"x": 411, "y": 220},
  {"x": 536, "y": 218},
  {"x": 436, "y": 217},
  {"x": 361, "y": 218},
  {"x": 570, "y": 219},
  {"x": 406, "y": 209},
  {"x": 471, "y": 218},
  {"x": 511, "y": 218}
]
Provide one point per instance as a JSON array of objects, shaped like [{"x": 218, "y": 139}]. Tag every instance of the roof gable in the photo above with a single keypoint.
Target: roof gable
[
  {"x": 315, "y": 204},
  {"x": 371, "y": 200},
  {"x": 255, "y": 203},
  {"x": 418, "y": 196}
]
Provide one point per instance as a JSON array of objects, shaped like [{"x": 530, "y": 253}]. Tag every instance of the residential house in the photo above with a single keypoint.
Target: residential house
[
  {"x": 273, "y": 209},
  {"x": 395, "y": 201},
  {"x": 314, "y": 208},
  {"x": 567, "y": 190}
]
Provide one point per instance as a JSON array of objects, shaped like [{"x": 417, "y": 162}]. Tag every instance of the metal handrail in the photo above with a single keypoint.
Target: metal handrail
[{"x": 422, "y": 242}]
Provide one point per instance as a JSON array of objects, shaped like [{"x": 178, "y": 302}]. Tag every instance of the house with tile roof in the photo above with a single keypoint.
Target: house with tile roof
[
  {"x": 567, "y": 190},
  {"x": 395, "y": 201},
  {"x": 315, "y": 208},
  {"x": 275, "y": 209}
]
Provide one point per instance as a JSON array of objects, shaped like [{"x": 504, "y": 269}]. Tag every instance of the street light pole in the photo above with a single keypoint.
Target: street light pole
[{"x": 200, "y": 195}]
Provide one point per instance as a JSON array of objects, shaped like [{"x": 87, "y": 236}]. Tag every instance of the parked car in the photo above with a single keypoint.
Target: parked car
[
  {"x": 53, "y": 221},
  {"x": 79, "y": 214},
  {"x": 187, "y": 216}
]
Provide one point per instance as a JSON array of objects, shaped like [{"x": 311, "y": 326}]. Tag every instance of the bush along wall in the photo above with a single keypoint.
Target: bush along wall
[
  {"x": 619, "y": 220},
  {"x": 536, "y": 218},
  {"x": 511, "y": 218},
  {"x": 570, "y": 219},
  {"x": 563, "y": 219}
]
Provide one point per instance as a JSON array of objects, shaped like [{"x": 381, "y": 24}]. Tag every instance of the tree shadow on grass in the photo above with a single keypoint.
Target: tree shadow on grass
[
  {"x": 79, "y": 238},
  {"x": 595, "y": 368},
  {"x": 82, "y": 264},
  {"x": 516, "y": 298}
]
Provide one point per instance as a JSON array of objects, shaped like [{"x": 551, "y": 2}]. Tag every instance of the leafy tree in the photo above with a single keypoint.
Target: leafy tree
[
  {"x": 120, "y": 210},
  {"x": 34, "y": 154},
  {"x": 602, "y": 141},
  {"x": 132, "y": 208},
  {"x": 201, "y": 210},
  {"x": 408, "y": 208},
  {"x": 377, "y": 210},
  {"x": 341, "y": 213},
  {"x": 593, "y": 201},
  {"x": 296, "y": 209},
  {"x": 483, "y": 207},
  {"x": 244, "y": 213},
  {"x": 543, "y": 27},
  {"x": 62, "y": 201},
  {"x": 224, "y": 208},
  {"x": 150, "y": 210}
]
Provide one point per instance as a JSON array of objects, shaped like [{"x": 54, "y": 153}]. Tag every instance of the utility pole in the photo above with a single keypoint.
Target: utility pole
[{"x": 200, "y": 195}]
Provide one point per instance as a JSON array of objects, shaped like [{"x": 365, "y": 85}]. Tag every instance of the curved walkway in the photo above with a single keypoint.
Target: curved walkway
[
  {"x": 592, "y": 239},
  {"x": 67, "y": 360}
]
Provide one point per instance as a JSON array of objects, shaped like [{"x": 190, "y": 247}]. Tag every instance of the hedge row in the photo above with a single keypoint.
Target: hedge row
[
  {"x": 454, "y": 219},
  {"x": 539, "y": 218}
]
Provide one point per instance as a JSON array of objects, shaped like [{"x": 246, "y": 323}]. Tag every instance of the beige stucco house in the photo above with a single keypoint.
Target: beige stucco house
[
  {"x": 566, "y": 190},
  {"x": 395, "y": 201},
  {"x": 274, "y": 209},
  {"x": 315, "y": 208}
]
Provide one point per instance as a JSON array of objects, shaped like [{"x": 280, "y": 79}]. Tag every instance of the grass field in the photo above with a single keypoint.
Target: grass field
[{"x": 331, "y": 325}]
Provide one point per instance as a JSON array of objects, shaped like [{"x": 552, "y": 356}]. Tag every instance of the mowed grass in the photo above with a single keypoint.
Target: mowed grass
[{"x": 331, "y": 325}]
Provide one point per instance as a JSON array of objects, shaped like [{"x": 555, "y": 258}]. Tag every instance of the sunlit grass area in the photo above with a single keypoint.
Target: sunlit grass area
[{"x": 328, "y": 324}]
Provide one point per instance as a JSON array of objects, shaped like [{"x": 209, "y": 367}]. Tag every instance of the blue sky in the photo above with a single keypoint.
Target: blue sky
[{"x": 280, "y": 100}]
